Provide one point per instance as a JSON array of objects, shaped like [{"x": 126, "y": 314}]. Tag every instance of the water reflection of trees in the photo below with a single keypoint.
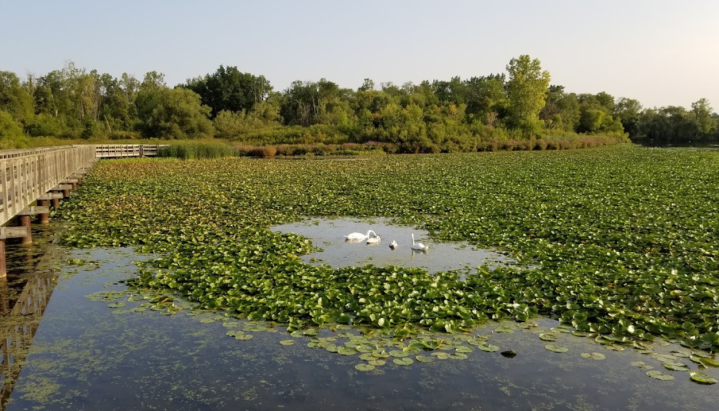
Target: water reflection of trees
[{"x": 22, "y": 304}]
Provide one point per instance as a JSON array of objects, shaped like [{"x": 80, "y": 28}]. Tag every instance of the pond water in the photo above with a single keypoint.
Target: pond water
[
  {"x": 329, "y": 234},
  {"x": 94, "y": 344}
]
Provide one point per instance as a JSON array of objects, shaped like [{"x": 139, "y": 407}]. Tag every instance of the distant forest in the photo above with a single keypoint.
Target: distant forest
[{"x": 432, "y": 116}]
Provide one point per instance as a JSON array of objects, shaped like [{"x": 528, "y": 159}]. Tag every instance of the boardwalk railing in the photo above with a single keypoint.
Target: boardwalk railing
[
  {"x": 127, "y": 150},
  {"x": 26, "y": 175}
]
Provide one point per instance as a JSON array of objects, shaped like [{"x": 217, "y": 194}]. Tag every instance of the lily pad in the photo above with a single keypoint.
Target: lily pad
[
  {"x": 424, "y": 358},
  {"x": 549, "y": 337},
  {"x": 593, "y": 356},
  {"x": 117, "y": 304},
  {"x": 377, "y": 363},
  {"x": 287, "y": 342},
  {"x": 346, "y": 351},
  {"x": 489, "y": 348},
  {"x": 658, "y": 375},
  {"x": 458, "y": 356},
  {"x": 364, "y": 367},
  {"x": 244, "y": 337},
  {"x": 398, "y": 353},
  {"x": 676, "y": 367},
  {"x": 701, "y": 378},
  {"x": 708, "y": 362},
  {"x": 440, "y": 355},
  {"x": 556, "y": 348},
  {"x": 642, "y": 364},
  {"x": 403, "y": 361}
]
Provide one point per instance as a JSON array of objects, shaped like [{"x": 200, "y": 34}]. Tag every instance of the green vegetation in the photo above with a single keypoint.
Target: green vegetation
[
  {"x": 493, "y": 112},
  {"x": 197, "y": 149},
  {"x": 624, "y": 240}
]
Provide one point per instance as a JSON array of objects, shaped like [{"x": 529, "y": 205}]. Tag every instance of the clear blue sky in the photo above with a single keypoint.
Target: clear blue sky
[{"x": 662, "y": 52}]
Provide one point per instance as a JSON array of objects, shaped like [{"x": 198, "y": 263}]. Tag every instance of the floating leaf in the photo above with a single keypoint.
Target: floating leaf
[
  {"x": 403, "y": 361},
  {"x": 398, "y": 353},
  {"x": 117, "y": 304},
  {"x": 364, "y": 367},
  {"x": 458, "y": 356},
  {"x": 593, "y": 356},
  {"x": 658, "y": 375},
  {"x": 708, "y": 362},
  {"x": 346, "y": 351},
  {"x": 556, "y": 348},
  {"x": 548, "y": 337},
  {"x": 424, "y": 358},
  {"x": 489, "y": 348},
  {"x": 676, "y": 367},
  {"x": 287, "y": 342},
  {"x": 702, "y": 378},
  {"x": 244, "y": 337},
  {"x": 377, "y": 363},
  {"x": 440, "y": 355},
  {"x": 642, "y": 364}
]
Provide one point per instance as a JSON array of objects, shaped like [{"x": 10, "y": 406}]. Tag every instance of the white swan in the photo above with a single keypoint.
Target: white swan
[
  {"x": 373, "y": 240},
  {"x": 393, "y": 245},
  {"x": 355, "y": 237},
  {"x": 418, "y": 246}
]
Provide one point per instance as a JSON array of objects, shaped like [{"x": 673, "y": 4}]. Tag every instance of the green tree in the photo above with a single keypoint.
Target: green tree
[
  {"x": 10, "y": 131},
  {"x": 172, "y": 113},
  {"x": 486, "y": 98},
  {"x": 231, "y": 90},
  {"x": 628, "y": 111},
  {"x": 14, "y": 98},
  {"x": 706, "y": 125},
  {"x": 561, "y": 111},
  {"x": 527, "y": 90}
]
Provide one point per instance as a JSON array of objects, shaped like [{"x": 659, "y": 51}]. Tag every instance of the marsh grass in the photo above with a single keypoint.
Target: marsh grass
[{"x": 189, "y": 150}]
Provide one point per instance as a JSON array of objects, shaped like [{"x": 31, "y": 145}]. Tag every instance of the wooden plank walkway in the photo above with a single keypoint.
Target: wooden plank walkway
[
  {"x": 127, "y": 150},
  {"x": 26, "y": 175}
]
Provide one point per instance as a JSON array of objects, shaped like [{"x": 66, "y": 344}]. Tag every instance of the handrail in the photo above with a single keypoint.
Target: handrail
[{"x": 25, "y": 175}]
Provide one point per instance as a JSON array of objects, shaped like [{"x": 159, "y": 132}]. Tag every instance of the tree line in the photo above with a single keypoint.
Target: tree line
[{"x": 431, "y": 116}]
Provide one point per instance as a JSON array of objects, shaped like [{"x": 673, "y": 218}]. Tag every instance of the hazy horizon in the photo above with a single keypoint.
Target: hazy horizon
[{"x": 658, "y": 52}]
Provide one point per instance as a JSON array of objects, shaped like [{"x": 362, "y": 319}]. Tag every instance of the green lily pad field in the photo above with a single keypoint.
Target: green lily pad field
[{"x": 621, "y": 242}]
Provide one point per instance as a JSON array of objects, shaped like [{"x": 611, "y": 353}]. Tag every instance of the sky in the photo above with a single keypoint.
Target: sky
[{"x": 661, "y": 52}]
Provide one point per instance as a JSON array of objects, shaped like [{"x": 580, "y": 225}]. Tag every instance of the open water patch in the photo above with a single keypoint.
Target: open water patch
[{"x": 329, "y": 235}]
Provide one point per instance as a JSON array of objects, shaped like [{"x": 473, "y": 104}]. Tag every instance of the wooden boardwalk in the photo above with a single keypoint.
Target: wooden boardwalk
[
  {"x": 27, "y": 175},
  {"x": 31, "y": 179},
  {"x": 127, "y": 150}
]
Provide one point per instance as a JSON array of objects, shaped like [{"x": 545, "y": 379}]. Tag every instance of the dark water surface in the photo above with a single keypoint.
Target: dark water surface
[{"x": 86, "y": 355}]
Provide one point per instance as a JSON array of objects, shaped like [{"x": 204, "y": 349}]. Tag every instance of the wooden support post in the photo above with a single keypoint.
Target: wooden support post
[
  {"x": 3, "y": 267},
  {"x": 41, "y": 202},
  {"x": 66, "y": 193},
  {"x": 25, "y": 222},
  {"x": 55, "y": 202},
  {"x": 43, "y": 211}
]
